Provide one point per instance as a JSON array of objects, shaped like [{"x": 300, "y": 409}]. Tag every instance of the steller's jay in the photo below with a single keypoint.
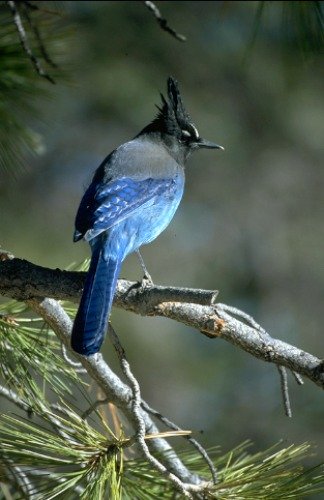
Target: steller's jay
[{"x": 130, "y": 201}]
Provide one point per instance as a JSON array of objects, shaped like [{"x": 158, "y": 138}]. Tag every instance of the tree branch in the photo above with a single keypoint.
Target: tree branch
[
  {"x": 114, "y": 389},
  {"x": 163, "y": 23},
  {"x": 24, "y": 41},
  {"x": 22, "y": 280},
  {"x": 140, "y": 435}
]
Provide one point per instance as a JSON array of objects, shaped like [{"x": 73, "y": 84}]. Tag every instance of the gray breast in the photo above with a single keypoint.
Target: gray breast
[{"x": 142, "y": 159}]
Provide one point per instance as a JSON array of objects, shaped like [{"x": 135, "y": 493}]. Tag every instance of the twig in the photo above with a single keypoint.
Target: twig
[
  {"x": 191, "y": 440},
  {"x": 242, "y": 315},
  {"x": 37, "y": 34},
  {"x": 282, "y": 371},
  {"x": 284, "y": 389},
  {"x": 24, "y": 41},
  {"x": 146, "y": 274},
  {"x": 140, "y": 424},
  {"x": 75, "y": 364},
  {"x": 93, "y": 407},
  {"x": 163, "y": 22},
  {"x": 298, "y": 378}
]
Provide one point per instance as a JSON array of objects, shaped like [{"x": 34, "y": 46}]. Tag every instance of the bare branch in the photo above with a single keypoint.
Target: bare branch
[
  {"x": 22, "y": 280},
  {"x": 37, "y": 34},
  {"x": 260, "y": 344},
  {"x": 191, "y": 440},
  {"x": 93, "y": 407},
  {"x": 285, "y": 391},
  {"x": 163, "y": 22},
  {"x": 298, "y": 378},
  {"x": 75, "y": 364},
  {"x": 24, "y": 41}
]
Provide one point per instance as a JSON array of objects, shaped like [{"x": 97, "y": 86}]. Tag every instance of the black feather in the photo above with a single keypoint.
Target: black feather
[{"x": 172, "y": 116}]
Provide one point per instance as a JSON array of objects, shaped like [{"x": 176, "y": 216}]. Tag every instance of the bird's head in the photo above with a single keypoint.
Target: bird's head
[{"x": 175, "y": 127}]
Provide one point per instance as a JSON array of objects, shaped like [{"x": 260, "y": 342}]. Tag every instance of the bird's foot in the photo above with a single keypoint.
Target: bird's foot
[{"x": 147, "y": 281}]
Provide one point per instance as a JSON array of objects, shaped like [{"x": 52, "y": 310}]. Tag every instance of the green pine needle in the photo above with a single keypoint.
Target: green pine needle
[
  {"x": 31, "y": 357},
  {"x": 274, "y": 474},
  {"x": 89, "y": 459},
  {"x": 84, "y": 456}
]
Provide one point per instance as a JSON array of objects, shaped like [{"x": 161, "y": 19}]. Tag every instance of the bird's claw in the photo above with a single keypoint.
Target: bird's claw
[{"x": 147, "y": 281}]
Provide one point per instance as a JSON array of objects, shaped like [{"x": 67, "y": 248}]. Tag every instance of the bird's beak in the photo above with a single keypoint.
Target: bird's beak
[{"x": 202, "y": 143}]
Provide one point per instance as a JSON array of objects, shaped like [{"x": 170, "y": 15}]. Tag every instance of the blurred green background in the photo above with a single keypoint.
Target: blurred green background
[{"x": 251, "y": 221}]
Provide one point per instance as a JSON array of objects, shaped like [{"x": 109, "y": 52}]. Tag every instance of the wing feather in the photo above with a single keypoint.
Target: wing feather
[{"x": 104, "y": 205}]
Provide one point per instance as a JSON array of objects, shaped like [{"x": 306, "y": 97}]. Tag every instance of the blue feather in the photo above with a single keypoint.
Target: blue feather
[{"x": 91, "y": 321}]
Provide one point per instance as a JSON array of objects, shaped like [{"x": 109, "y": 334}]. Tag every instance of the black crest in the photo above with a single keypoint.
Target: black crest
[
  {"x": 173, "y": 110},
  {"x": 172, "y": 116}
]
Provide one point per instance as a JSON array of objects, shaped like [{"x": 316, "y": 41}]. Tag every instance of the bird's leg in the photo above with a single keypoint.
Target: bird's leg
[{"x": 147, "y": 278}]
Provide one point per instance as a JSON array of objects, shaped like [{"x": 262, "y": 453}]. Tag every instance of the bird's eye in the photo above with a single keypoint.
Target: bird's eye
[{"x": 185, "y": 133}]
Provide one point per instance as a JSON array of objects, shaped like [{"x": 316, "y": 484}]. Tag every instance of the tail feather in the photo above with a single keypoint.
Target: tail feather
[{"x": 91, "y": 320}]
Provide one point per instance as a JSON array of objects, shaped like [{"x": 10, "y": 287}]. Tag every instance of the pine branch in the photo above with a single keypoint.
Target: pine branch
[
  {"x": 22, "y": 280},
  {"x": 140, "y": 435},
  {"x": 74, "y": 441},
  {"x": 114, "y": 389}
]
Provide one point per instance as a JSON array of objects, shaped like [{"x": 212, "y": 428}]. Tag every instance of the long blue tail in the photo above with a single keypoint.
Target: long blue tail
[{"x": 91, "y": 320}]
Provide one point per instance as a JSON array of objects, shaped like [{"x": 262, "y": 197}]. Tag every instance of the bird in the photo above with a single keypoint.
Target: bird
[{"x": 132, "y": 198}]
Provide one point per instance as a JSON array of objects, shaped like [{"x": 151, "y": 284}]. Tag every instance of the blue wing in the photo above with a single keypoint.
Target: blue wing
[{"x": 105, "y": 204}]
